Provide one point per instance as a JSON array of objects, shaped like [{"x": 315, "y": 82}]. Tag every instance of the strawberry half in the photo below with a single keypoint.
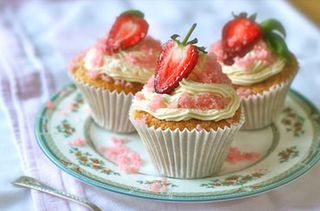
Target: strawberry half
[
  {"x": 239, "y": 36},
  {"x": 176, "y": 61},
  {"x": 128, "y": 29}
]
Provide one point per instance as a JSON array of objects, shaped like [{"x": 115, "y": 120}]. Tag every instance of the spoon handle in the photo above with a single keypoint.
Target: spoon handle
[{"x": 29, "y": 182}]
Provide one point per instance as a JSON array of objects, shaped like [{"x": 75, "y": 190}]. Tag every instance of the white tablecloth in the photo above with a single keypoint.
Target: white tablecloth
[{"x": 59, "y": 29}]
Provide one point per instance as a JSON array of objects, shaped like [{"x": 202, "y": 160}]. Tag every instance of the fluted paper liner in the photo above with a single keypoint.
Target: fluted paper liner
[
  {"x": 109, "y": 109},
  {"x": 262, "y": 109},
  {"x": 187, "y": 154}
]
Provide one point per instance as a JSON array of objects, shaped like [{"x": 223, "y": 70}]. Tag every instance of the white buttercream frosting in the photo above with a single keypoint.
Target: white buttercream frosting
[{"x": 191, "y": 88}]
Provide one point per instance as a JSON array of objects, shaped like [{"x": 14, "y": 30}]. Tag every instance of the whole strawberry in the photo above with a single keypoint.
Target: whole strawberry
[
  {"x": 241, "y": 34},
  {"x": 176, "y": 61}
]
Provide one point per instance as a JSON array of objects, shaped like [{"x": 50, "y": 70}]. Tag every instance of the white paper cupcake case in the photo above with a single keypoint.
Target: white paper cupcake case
[
  {"x": 187, "y": 154},
  {"x": 109, "y": 109},
  {"x": 262, "y": 109}
]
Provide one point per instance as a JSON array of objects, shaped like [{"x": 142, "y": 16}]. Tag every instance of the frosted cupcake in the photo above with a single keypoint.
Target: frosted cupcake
[
  {"x": 259, "y": 64},
  {"x": 110, "y": 72},
  {"x": 188, "y": 113}
]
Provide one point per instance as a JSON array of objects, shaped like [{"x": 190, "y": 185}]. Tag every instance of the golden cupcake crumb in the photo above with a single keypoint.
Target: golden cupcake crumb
[
  {"x": 81, "y": 75},
  {"x": 189, "y": 124},
  {"x": 289, "y": 71}
]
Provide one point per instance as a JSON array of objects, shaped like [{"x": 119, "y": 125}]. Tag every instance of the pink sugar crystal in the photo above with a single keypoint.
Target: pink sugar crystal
[
  {"x": 235, "y": 155},
  {"x": 127, "y": 160},
  {"x": 139, "y": 96},
  {"x": 159, "y": 186},
  {"x": 77, "y": 142},
  {"x": 119, "y": 141},
  {"x": 157, "y": 102},
  {"x": 141, "y": 122},
  {"x": 244, "y": 92},
  {"x": 203, "y": 101},
  {"x": 216, "y": 48},
  {"x": 106, "y": 78},
  {"x": 129, "y": 84},
  {"x": 261, "y": 52},
  {"x": 199, "y": 128},
  {"x": 50, "y": 105},
  {"x": 75, "y": 62},
  {"x": 209, "y": 70},
  {"x": 147, "y": 57},
  {"x": 101, "y": 44},
  {"x": 97, "y": 60},
  {"x": 93, "y": 74},
  {"x": 150, "y": 84}
]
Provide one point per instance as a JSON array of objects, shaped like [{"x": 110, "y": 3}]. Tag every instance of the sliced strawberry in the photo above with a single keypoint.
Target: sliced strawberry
[
  {"x": 128, "y": 29},
  {"x": 239, "y": 36},
  {"x": 175, "y": 63}
]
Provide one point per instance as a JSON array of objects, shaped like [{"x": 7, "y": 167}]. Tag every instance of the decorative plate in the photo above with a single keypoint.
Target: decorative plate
[{"x": 258, "y": 161}]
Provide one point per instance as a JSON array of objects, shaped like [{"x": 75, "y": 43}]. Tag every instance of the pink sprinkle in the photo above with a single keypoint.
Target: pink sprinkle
[
  {"x": 159, "y": 186},
  {"x": 147, "y": 57},
  {"x": 141, "y": 122},
  {"x": 119, "y": 141},
  {"x": 218, "y": 51},
  {"x": 101, "y": 44},
  {"x": 235, "y": 155},
  {"x": 76, "y": 61},
  {"x": 139, "y": 96},
  {"x": 244, "y": 92},
  {"x": 199, "y": 128},
  {"x": 155, "y": 187},
  {"x": 128, "y": 160},
  {"x": 157, "y": 102},
  {"x": 77, "y": 142},
  {"x": 93, "y": 74},
  {"x": 203, "y": 101},
  {"x": 106, "y": 78},
  {"x": 129, "y": 85},
  {"x": 150, "y": 84},
  {"x": 50, "y": 105},
  {"x": 208, "y": 70}
]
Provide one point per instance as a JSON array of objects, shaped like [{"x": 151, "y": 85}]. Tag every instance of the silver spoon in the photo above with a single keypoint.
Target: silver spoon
[{"x": 29, "y": 182}]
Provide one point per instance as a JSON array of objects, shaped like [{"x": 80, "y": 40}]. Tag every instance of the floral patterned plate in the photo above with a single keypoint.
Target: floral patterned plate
[{"x": 258, "y": 161}]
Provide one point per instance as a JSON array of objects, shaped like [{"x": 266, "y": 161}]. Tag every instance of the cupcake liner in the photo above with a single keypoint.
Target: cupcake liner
[
  {"x": 262, "y": 109},
  {"x": 187, "y": 154},
  {"x": 109, "y": 109}
]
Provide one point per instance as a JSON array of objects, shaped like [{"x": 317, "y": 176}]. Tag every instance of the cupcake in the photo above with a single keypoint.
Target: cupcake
[
  {"x": 188, "y": 113},
  {"x": 117, "y": 66},
  {"x": 259, "y": 64}
]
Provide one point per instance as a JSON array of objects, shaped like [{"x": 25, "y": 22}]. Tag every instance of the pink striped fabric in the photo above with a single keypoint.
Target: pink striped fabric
[{"x": 25, "y": 85}]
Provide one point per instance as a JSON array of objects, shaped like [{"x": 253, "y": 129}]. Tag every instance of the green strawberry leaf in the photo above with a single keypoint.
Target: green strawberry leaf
[
  {"x": 272, "y": 25},
  {"x": 278, "y": 45},
  {"x": 137, "y": 13},
  {"x": 253, "y": 17}
]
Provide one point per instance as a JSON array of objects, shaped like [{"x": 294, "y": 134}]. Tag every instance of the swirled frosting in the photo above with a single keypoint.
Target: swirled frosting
[
  {"x": 135, "y": 64},
  {"x": 256, "y": 66},
  {"x": 204, "y": 95}
]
